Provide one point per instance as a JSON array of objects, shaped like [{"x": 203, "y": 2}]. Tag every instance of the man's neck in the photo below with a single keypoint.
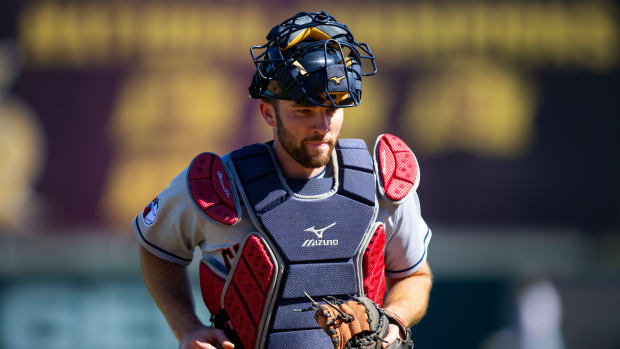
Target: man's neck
[{"x": 290, "y": 167}]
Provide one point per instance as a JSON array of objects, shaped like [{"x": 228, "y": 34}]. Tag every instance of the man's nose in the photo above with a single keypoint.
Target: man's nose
[{"x": 324, "y": 119}]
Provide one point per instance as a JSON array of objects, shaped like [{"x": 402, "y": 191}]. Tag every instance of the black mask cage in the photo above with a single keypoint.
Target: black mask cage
[{"x": 313, "y": 60}]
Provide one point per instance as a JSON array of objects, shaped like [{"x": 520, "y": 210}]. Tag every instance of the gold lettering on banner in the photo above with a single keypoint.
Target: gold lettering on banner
[
  {"x": 472, "y": 106},
  {"x": 553, "y": 33}
]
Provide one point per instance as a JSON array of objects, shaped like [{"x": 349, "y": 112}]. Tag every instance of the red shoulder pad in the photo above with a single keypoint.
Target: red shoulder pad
[
  {"x": 396, "y": 167},
  {"x": 211, "y": 189}
]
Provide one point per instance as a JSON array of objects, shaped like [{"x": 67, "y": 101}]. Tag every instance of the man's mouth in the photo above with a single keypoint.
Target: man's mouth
[
  {"x": 318, "y": 142},
  {"x": 318, "y": 145}
]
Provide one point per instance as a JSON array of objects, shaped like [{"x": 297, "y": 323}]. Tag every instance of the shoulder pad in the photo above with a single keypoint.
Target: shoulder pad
[
  {"x": 396, "y": 168},
  {"x": 213, "y": 192}
]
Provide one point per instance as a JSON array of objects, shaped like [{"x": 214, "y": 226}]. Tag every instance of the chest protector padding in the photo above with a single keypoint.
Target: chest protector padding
[
  {"x": 318, "y": 239},
  {"x": 373, "y": 265},
  {"x": 246, "y": 293},
  {"x": 211, "y": 287}
]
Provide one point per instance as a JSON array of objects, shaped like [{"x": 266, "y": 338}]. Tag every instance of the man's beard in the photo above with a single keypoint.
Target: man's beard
[{"x": 299, "y": 153}]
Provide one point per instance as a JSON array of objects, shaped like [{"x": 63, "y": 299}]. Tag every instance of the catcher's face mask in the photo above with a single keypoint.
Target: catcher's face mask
[{"x": 313, "y": 60}]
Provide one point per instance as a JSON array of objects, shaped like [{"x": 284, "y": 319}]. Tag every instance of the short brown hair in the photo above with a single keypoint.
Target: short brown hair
[{"x": 272, "y": 101}]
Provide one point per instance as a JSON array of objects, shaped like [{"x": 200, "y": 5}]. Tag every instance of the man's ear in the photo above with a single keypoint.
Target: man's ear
[{"x": 268, "y": 113}]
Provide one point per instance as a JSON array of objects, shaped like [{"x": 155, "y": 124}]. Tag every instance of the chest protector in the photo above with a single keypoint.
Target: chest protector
[{"x": 317, "y": 237}]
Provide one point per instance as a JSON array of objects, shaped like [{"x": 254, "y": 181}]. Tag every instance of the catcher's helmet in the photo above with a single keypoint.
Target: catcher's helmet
[{"x": 311, "y": 59}]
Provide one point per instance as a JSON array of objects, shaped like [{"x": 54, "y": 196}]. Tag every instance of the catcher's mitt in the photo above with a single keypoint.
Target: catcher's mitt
[{"x": 358, "y": 323}]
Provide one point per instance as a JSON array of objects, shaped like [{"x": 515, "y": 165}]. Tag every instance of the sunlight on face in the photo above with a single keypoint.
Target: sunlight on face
[{"x": 308, "y": 133}]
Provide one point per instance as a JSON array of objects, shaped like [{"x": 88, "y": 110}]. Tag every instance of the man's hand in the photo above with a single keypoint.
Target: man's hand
[
  {"x": 205, "y": 338},
  {"x": 393, "y": 333},
  {"x": 169, "y": 285}
]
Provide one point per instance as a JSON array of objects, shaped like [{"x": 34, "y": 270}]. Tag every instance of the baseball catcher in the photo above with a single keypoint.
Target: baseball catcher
[{"x": 304, "y": 216}]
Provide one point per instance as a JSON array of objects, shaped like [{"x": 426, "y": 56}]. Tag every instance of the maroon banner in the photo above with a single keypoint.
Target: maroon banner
[{"x": 510, "y": 107}]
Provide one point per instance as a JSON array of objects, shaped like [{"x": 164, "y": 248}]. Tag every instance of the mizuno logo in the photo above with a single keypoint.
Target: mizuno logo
[
  {"x": 337, "y": 79},
  {"x": 221, "y": 177},
  {"x": 319, "y": 242},
  {"x": 319, "y": 232}
]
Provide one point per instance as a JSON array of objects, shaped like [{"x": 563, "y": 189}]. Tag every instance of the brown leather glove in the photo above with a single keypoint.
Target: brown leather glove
[{"x": 358, "y": 323}]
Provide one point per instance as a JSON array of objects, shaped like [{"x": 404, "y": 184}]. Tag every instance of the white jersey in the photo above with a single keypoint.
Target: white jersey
[{"x": 171, "y": 227}]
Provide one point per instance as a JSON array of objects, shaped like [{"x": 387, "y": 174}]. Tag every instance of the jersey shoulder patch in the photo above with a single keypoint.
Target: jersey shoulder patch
[
  {"x": 211, "y": 189},
  {"x": 396, "y": 168}
]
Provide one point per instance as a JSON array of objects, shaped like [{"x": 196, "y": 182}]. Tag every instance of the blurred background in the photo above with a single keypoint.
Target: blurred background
[{"x": 512, "y": 108}]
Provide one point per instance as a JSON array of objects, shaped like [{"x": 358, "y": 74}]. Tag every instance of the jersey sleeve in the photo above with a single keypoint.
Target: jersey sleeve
[
  {"x": 169, "y": 227},
  {"x": 407, "y": 239}
]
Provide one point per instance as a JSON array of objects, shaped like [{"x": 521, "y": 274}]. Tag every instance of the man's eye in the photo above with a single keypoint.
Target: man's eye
[{"x": 304, "y": 111}]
